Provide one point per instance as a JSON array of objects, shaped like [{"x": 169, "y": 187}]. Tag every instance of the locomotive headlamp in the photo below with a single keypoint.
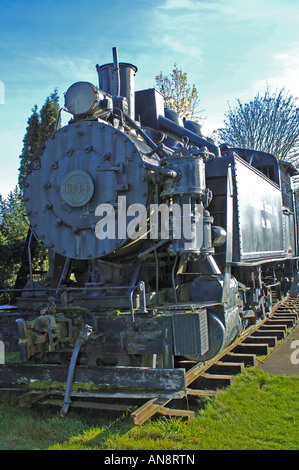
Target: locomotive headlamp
[{"x": 81, "y": 98}]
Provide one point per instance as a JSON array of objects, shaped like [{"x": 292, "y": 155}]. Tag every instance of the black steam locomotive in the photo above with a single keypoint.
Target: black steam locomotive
[{"x": 162, "y": 245}]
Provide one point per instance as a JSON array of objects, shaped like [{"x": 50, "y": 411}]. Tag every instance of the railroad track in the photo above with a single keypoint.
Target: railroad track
[
  {"x": 200, "y": 379},
  {"x": 205, "y": 379}
]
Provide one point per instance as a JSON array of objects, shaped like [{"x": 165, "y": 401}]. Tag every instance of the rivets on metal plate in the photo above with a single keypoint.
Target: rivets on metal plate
[
  {"x": 69, "y": 152},
  {"x": 88, "y": 148}
]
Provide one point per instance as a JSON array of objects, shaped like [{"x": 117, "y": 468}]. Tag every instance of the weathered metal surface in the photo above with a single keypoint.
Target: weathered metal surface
[
  {"x": 107, "y": 82},
  {"x": 259, "y": 215},
  {"x": 65, "y": 185},
  {"x": 191, "y": 334}
]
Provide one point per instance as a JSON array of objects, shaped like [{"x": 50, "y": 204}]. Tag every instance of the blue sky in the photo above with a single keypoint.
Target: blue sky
[{"x": 230, "y": 49}]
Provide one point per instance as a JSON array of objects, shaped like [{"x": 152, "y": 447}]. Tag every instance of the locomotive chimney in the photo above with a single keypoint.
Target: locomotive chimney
[{"x": 119, "y": 78}]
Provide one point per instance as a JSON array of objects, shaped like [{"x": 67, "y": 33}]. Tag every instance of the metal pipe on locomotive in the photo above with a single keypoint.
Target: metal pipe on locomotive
[{"x": 153, "y": 294}]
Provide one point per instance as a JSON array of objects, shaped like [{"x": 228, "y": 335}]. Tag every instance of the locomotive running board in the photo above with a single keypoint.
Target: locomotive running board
[{"x": 155, "y": 381}]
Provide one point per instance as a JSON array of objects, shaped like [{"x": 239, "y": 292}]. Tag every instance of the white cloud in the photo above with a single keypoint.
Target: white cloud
[
  {"x": 283, "y": 72},
  {"x": 236, "y": 10},
  {"x": 183, "y": 4},
  {"x": 195, "y": 28},
  {"x": 67, "y": 66},
  {"x": 184, "y": 49}
]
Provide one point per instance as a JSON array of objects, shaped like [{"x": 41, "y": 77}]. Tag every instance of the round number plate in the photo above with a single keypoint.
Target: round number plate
[{"x": 77, "y": 188}]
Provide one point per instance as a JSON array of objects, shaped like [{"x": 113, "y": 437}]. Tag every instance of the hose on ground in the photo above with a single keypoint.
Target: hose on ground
[{"x": 83, "y": 337}]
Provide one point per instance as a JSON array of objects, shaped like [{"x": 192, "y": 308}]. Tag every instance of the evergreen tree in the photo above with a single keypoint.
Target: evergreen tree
[
  {"x": 48, "y": 117},
  {"x": 13, "y": 230},
  {"x": 40, "y": 127},
  {"x": 30, "y": 146}
]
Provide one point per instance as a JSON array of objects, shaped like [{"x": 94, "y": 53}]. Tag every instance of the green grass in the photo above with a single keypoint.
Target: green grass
[
  {"x": 259, "y": 411},
  {"x": 23, "y": 429}
]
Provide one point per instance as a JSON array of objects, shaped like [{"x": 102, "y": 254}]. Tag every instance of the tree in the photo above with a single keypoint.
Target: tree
[
  {"x": 13, "y": 227},
  {"x": 30, "y": 146},
  {"x": 48, "y": 117},
  {"x": 179, "y": 96},
  {"x": 269, "y": 122},
  {"x": 13, "y": 230},
  {"x": 40, "y": 127}
]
